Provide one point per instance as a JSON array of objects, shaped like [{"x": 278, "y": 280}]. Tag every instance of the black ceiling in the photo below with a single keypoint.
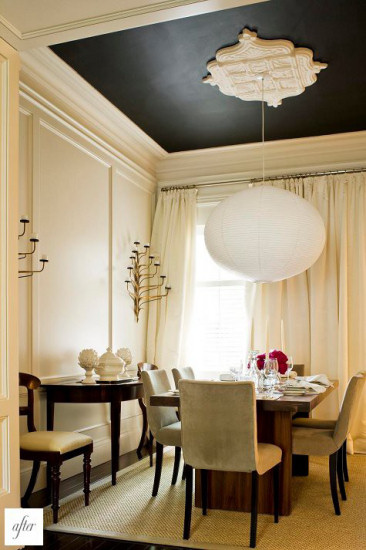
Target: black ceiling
[{"x": 153, "y": 74}]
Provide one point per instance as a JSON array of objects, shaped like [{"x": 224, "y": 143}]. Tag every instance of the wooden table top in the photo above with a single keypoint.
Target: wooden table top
[
  {"x": 300, "y": 403},
  {"x": 79, "y": 384}
]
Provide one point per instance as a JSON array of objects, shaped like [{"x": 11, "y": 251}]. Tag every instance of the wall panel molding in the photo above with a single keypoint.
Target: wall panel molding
[
  {"x": 88, "y": 171},
  {"x": 51, "y": 83}
]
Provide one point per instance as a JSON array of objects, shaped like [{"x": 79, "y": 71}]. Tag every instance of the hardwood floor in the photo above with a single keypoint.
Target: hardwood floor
[{"x": 64, "y": 541}]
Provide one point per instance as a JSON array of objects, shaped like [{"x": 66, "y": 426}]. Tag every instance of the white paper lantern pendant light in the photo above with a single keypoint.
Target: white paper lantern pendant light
[{"x": 264, "y": 233}]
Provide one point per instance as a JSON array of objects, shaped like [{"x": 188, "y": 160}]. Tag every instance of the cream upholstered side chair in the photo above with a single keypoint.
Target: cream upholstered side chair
[
  {"x": 163, "y": 423},
  {"x": 327, "y": 437},
  {"x": 184, "y": 373},
  {"x": 145, "y": 425},
  {"x": 51, "y": 447},
  {"x": 219, "y": 432},
  {"x": 328, "y": 425}
]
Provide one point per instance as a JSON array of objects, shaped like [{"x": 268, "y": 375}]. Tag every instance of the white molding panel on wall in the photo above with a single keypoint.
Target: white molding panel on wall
[{"x": 88, "y": 202}]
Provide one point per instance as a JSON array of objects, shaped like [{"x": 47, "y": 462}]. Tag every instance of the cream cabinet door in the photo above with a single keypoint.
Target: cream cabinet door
[{"x": 9, "y": 393}]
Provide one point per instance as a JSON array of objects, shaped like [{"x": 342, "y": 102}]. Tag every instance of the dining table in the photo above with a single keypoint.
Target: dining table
[{"x": 232, "y": 490}]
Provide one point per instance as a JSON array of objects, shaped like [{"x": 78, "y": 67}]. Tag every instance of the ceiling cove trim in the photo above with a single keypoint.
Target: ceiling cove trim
[
  {"x": 106, "y": 18},
  {"x": 146, "y": 14},
  {"x": 238, "y": 162},
  {"x": 48, "y": 80}
]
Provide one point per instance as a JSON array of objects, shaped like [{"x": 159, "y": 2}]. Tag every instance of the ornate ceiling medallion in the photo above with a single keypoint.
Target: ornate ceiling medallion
[{"x": 286, "y": 71}]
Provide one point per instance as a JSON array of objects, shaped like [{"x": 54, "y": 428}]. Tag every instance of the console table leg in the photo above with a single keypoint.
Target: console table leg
[{"x": 115, "y": 434}]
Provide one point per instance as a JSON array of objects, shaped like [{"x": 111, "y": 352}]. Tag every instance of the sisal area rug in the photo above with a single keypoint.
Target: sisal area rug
[{"x": 128, "y": 512}]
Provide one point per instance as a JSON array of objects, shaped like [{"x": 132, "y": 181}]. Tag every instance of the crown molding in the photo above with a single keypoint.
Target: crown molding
[
  {"x": 51, "y": 83},
  {"x": 146, "y": 13},
  {"x": 282, "y": 157}
]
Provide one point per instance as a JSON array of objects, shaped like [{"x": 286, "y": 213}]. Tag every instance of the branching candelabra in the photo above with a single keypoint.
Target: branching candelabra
[
  {"x": 23, "y": 255},
  {"x": 145, "y": 284}
]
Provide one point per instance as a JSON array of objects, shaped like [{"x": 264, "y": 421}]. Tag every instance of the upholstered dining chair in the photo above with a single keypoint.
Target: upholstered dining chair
[
  {"x": 163, "y": 423},
  {"x": 186, "y": 373},
  {"x": 219, "y": 432},
  {"x": 328, "y": 437},
  {"x": 145, "y": 426},
  {"x": 50, "y": 446}
]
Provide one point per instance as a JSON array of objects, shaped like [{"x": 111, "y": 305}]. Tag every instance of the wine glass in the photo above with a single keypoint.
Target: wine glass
[
  {"x": 271, "y": 375},
  {"x": 290, "y": 366}
]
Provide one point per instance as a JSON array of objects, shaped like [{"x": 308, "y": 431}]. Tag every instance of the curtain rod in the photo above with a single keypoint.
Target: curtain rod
[{"x": 274, "y": 178}]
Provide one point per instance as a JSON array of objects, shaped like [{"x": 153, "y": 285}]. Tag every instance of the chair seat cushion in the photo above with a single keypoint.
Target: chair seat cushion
[
  {"x": 268, "y": 456},
  {"x": 314, "y": 423},
  {"x": 56, "y": 442},
  {"x": 170, "y": 435},
  {"x": 313, "y": 441}
]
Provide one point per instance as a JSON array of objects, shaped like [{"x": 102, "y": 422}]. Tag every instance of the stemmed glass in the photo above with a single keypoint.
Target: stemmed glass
[
  {"x": 290, "y": 366},
  {"x": 271, "y": 375}
]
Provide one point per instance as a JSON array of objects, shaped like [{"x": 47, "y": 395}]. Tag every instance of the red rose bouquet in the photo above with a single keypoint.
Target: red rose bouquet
[{"x": 274, "y": 354}]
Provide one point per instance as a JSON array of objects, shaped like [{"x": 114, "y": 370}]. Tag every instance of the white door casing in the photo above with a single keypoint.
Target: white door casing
[{"x": 9, "y": 393}]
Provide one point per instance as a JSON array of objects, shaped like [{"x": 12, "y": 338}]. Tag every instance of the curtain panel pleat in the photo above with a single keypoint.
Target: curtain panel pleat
[{"x": 174, "y": 238}]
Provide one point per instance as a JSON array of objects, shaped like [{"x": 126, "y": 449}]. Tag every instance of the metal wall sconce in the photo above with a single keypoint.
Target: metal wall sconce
[
  {"x": 145, "y": 284},
  {"x": 23, "y": 255}
]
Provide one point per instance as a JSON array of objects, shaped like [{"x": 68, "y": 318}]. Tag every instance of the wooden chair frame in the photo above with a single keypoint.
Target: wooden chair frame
[{"x": 54, "y": 459}]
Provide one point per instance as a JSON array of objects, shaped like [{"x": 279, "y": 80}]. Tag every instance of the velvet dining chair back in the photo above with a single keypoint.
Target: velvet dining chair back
[
  {"x": 155, "y": 382},
  {"x": 163, "y": 423},
  {"x": 349, "y": 404},
  {"x": 219, "y": 432},
  {"x": 184, "y": 373},
  {"x": 219, "y": 425}
]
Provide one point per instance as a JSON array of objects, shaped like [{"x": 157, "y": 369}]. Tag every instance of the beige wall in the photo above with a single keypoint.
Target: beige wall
[{"x": 88, "y": 207}]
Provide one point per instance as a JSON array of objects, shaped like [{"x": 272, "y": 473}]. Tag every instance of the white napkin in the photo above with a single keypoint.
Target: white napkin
[
  {"x": 319, "y": 379},
  {"x": 302, "y": 383}
]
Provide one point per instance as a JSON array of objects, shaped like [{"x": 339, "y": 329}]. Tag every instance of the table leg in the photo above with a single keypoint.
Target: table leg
[
  {"x": 144, "y": 428},
  {"x": 300, "y": 465},
  {"x": 50, "y": 425},
  {"x": 115, "y": 435}
]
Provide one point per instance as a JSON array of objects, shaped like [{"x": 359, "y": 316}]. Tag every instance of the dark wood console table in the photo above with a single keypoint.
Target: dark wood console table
[{"x": 75, "y": 392}]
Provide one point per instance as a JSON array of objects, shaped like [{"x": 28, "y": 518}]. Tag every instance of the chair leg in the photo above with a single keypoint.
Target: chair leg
[
  {"x": 151, "y": 446},
  {"x": 55, "y": 489},
  {"x": 340, "y": 474},
  {"x": 86, "y": 470},
  {"x": 184, "y": 472},
  {"x": 344, "y": 461},
  {"x": 333, "y": 482},
  {"x": 144, "y": 428},
  {"x": 176, "y": 465},
  {"x": 254, "y": 511},
  {"x": 276, "y": 485},
  {"x": 188, "y": 506},
  {"x": 204, "y": 476},
  {"x": 31, "y": 484},
  {"x": 158, "y": 467}
]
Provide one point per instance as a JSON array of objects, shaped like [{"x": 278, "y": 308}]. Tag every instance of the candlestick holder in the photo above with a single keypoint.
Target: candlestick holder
[
  {"x": 145, "y": 284},
  {"x": 24, "y": 220}
]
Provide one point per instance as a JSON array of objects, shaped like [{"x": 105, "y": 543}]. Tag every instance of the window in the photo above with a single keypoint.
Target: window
[{"x": 221, "y": 325}]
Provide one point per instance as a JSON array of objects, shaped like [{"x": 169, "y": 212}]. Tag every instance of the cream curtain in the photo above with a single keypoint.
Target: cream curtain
[
  {"x": 324, "y": 309},
  {"x": 173, "y": 237}
]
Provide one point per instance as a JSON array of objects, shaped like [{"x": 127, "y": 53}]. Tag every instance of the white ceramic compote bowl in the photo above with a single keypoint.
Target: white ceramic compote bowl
[
  {"x": 88, "y": 360},
  {"x": 126, "y": 356}
]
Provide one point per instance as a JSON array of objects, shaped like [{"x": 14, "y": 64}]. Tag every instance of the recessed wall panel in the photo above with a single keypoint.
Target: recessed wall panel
[{"x": 73, "y": 215}]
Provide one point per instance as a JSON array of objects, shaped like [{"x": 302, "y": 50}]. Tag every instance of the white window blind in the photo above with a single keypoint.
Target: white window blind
[{"x": 221, "y": 325}]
